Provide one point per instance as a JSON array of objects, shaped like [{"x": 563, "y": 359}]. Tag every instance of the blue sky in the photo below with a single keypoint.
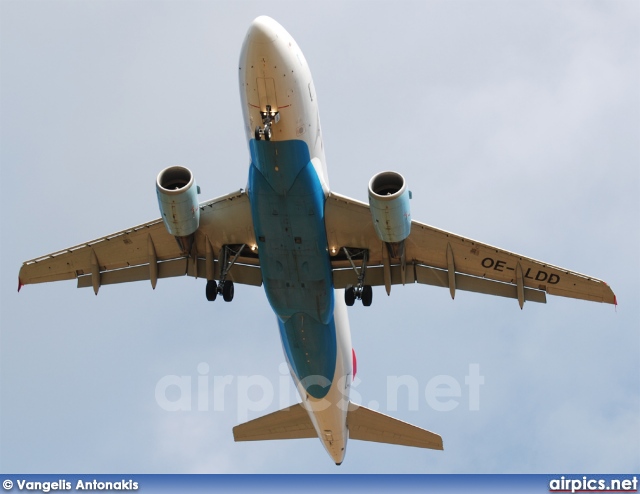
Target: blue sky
[{"x": 515, "y": 124}]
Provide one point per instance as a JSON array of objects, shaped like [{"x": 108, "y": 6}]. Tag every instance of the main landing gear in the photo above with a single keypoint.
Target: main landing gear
[
  {"x": 269, "y": 118},
  {"x": 224, "y": 286},
  {"x": 360, "y": 291},
  {"x": 364, "y": 293}
]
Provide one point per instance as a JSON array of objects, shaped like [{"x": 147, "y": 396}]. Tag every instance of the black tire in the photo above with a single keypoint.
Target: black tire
[
  {"x": 227, "y": 291},
  {"x": 257, "y": 134},
  {"x": 367, "y": 295},
  {"x": 349, "y": 296},
  {"x": 267, "y": 133},
  {"x": 212, "y": 290}
]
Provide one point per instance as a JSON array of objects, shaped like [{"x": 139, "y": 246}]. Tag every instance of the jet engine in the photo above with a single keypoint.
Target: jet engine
[
  {"x": 178, "y": 200},
  {"x": 389, "y": 204}
]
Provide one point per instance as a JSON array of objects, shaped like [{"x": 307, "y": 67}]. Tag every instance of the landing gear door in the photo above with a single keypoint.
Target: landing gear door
[{"x": 267, "y": 93}]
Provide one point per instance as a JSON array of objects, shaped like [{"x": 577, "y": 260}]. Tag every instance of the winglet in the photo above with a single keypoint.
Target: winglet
[{"x": 20, "y": 284}]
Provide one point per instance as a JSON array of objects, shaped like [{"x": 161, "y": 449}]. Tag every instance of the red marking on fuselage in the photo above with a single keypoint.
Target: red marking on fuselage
[{"x": 355, "y": 363}]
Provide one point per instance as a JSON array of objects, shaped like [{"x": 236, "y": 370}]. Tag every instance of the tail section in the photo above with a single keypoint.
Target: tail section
[{"x": 363, "y": 424}]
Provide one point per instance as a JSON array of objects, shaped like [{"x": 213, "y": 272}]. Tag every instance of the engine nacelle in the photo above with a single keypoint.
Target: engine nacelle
[
  {"x": 389, "y": 204},
  {"x": 178, "y": 200}
]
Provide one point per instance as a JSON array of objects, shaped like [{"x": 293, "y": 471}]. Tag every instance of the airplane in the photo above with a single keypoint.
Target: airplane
[{"x": 314, "y": 251}]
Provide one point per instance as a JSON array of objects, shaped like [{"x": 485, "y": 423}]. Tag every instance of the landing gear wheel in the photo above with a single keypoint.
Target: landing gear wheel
[
  {"x": 367, "y": 295},
  {"x": 257, "y": 134},
  {"x": 227, "y": 291},
  {"x": 267, "y": 133},
  {"x": 212, "y": 290},
  {"x": 349, "y": 296}
]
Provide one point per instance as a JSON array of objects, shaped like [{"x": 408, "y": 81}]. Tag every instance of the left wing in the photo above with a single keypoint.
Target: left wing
[
  {"x": 441, "y": 258},
  {"x": 149, "y": 252}
]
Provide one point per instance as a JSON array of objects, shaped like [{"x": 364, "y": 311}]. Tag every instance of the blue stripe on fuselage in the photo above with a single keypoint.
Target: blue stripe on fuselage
[{"x": 287, "y": 205}]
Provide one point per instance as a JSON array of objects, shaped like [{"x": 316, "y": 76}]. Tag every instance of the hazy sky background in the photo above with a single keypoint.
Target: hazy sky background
[{"x": 515, "y": 123}]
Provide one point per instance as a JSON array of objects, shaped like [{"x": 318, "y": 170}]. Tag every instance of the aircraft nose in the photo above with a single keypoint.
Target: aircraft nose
[{"x": 263, "y": 30}]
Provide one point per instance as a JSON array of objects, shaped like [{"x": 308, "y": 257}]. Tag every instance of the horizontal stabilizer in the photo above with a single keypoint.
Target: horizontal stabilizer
[
  {"x": 289, "y": 423},
  {"x": 367, "y": 425},
  {"x": 363, "y": 424}
]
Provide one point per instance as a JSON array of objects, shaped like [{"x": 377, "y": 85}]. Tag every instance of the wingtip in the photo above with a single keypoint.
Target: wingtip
[{"x": 20, "y": 284}]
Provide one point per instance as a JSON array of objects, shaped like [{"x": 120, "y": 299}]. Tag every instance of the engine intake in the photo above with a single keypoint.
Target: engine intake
[
  {"x": 178, "y": 200},
  {"x": 389, "y": 204}
]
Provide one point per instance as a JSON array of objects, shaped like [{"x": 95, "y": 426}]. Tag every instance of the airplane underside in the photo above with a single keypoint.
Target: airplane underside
[
  {"x": 287, "y": 203},
  {"x": 314, "y": 251}
]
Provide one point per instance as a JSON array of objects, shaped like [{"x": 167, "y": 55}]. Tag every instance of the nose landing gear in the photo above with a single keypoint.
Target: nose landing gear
[{"x": 269, "y": 117}]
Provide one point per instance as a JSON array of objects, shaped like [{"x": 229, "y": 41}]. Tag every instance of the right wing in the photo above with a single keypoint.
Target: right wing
[
  {"x": 440, "y": 258},
  {"x": 149, "y": 252}
]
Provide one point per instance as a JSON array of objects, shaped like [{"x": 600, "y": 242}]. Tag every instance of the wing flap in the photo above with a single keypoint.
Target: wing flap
[
  {"x": 166, "y": 269},
  {"x": 439, "y": 277},
  {"x": 605, "y": 295},
  {"x": 375, "y": 276},
  {"x": 245, "y": 274},
  {"x": 289, "y": 423},
  {"x": 425, "y": 275},
  {"x": 366, "y": 425},
  {"x": 239, "y": 273}
]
